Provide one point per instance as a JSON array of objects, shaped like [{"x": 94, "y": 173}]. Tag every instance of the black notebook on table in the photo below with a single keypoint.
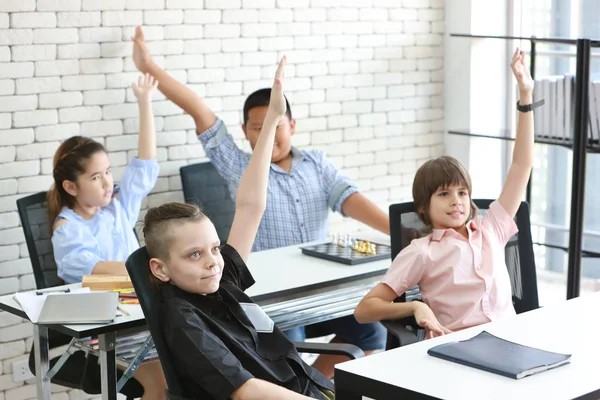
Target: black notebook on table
[{"x": 490, "y": 353}]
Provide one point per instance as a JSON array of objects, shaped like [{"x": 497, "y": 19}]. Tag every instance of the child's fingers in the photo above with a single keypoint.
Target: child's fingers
[
  {"x": 434, "y": 327},
  {"x": 280, "y": 68},
  {"x": 515, "y": 56},
  {"x": 140, "y": 81},
  {"x": 155, "y": 85},
  {"x": 437, "y": 329},
  {"x": 139, "y": 33}
]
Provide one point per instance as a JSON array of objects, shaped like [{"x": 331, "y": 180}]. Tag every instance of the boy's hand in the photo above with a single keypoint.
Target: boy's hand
[
  {"x": 143, "y": 90},
  {"x": 277, "y": 101},
  {"x": 521, "y": 72},
  {"x": 141, "y": 55},
  {"x": 426, "y": 319}
]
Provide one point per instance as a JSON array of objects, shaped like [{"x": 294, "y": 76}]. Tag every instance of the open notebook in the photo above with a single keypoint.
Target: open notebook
[
  {"x": 493, "y": 354},
  {"x": 79, "y": 306}
]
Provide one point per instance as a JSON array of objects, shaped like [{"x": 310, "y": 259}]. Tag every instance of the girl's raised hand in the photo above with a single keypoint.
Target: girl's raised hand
[{"x": 144, "y": 87}]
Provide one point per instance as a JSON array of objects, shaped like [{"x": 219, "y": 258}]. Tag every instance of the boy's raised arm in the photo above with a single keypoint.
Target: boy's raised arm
[
  {"x": 522, "y": 161},
  {"x": 251, "y": 197},
  {"x": 175, "y": 91}
]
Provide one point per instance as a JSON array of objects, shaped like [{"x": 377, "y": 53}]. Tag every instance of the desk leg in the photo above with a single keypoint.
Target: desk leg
[
  {"x": 108, "y": 365},
  {"x": 42, "y": 363}
]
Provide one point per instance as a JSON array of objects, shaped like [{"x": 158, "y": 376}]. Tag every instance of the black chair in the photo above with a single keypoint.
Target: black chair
[
  {"x": 405, "y": 226},
  {"x": 202, "y": 185},
  {"x": 139, "y": 270},
  {"x": 79, "y": 369}
]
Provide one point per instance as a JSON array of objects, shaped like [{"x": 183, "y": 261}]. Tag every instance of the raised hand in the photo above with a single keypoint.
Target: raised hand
[
  {"x": 141, "y": 54},
  {"x": 144, "y": 87},
  {"x": 277, "y": 101},
  {"x": 521, "y": 72}
]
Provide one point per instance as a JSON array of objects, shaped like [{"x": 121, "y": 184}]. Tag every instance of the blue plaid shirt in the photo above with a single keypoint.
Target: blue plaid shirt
[{"x": 298, "y": 202}]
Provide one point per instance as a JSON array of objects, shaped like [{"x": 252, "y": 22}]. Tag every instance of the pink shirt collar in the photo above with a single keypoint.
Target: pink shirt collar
[{"x": 438, "y": 234}]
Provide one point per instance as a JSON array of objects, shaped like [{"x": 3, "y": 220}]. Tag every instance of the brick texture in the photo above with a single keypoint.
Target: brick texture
[{"x": 365, "y": 82}]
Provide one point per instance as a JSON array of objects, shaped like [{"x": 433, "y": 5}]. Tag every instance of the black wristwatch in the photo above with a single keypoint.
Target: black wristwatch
[{"x": 530, "y": 107}]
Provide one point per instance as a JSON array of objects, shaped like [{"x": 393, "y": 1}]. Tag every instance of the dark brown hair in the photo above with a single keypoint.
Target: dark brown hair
[
  {"x": 438, "y": 173},
  {"x": 69, "y": 162},
  {"x": 261, "y": 98},
  {"x": 158, "y": 224}
]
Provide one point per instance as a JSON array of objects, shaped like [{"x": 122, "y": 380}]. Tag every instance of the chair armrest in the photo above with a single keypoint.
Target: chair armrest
[
  {"x": 403, "y": 331},
  {"x": 342, "y": 349}
]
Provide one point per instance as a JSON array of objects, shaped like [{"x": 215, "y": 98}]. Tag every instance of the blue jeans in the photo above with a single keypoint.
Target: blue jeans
[{"x": 368, "y": 337}]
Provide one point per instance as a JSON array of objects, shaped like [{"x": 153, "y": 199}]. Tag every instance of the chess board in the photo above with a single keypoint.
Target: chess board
[{"x": 346, "y": 255}]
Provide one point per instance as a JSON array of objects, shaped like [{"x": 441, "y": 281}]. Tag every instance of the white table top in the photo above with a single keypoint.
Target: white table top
[
  {"x": 287, "y": 268},
  {"x": 571, "y": 327},
  {"x": 273, "y": 270}
]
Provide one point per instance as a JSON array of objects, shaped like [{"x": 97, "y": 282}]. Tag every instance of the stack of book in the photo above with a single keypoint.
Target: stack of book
[{"x": 555, "y": 120}]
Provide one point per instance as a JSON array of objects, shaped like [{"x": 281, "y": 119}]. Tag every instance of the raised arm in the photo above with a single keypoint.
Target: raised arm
[
  {"x": 175, "y": 91},
  {"x": 522, "y": 160},
  {"x": 147, "y": 137},
  {"x": 251, "y": 197}
]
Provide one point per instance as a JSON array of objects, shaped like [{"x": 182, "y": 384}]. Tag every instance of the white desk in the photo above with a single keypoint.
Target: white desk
[
  {"x": 280, "y": 274},
  {"x": 409, "y": 373}
]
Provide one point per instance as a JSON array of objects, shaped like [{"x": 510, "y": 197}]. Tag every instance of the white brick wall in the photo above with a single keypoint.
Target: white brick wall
[{"x": 365, "y": 80}]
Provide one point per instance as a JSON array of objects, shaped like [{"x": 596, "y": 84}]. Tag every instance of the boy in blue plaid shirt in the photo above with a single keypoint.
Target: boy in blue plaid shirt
[{"x": 303, "y": 186}]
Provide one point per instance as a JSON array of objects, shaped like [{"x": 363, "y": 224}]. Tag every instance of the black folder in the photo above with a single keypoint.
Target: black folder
[{"x": 493, "y": 354}]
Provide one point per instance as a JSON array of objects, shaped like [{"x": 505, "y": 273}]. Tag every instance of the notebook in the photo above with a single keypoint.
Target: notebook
[{"x": 493, "y": 354}]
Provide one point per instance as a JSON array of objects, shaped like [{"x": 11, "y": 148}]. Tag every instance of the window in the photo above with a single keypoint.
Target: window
[{"x": 551, "y": 178}]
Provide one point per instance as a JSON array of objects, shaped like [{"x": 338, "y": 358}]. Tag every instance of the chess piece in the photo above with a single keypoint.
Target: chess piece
[{"x": 372, "y": 249}]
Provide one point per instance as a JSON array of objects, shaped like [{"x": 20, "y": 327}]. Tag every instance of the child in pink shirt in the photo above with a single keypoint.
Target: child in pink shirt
[{"x": 460, "y": 266}]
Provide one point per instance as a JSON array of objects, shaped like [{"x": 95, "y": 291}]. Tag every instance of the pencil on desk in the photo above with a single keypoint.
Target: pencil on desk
[{"x": 123, "y": 310}]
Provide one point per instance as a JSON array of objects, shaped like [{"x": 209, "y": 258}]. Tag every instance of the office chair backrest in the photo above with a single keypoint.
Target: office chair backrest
[
  {"x": 148, "y": 294},
  {"x": 202, "y": 185},
  {"x": 33, "y": 212},
  {"x": 406, "y": 226}
]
